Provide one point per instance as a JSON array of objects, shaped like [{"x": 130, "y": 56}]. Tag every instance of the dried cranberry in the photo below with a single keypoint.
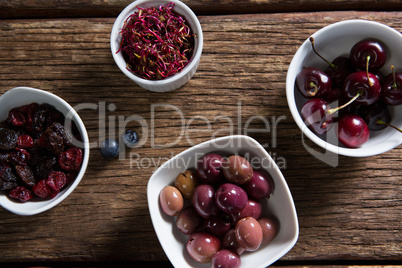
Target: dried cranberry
[
  {"x": 8, "y": 138},
  {"x": 71, "y": 159},
  {"x": 56, "y": 180},
  {"x": 21, "y": 193},
  {"x": 25, "y": 141},
  {"x": 16, "y": 117},
  {"x": 26, "y": 175},
  {"x": 42, "y": 190}
]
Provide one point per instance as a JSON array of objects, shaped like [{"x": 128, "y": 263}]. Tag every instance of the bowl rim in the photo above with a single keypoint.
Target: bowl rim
[
  {"x": 290, "y": 93},
  {"x": 189, "y": 15},
  {"x": 18, "y": 208},
  {"x": 210, "y": 144}
]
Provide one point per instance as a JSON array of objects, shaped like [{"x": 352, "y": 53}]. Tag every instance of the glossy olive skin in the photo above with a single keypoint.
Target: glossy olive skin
[
  {"x": 230, "y": 198},
  {"x": 204, "y": 201},
  {"x": 186, "y": 182},
  {"x": 209, "y": 168},
  {"x": 237, "y": 169},
  {"x": 225, "y": 258},
  {"x": 230, "y": 242},
  {"x": 270, "y": 229},
  {"x": 253, "y": 209},
  {"x": 260, "y": 185},
  {"x": 201, "y": 246},
  {"x": 313, "y": 83},
  {"x": 188, "y": 221},
  {"x": 171, "y": 200},
  {"x": 218, "y": 225},
  {"x": 249, "y": 233}
]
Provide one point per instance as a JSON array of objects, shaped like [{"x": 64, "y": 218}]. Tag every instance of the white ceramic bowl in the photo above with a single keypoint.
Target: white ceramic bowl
[
  {"x": 25, "y": 95},
  {"x": 280, "y": 203},
  {"x": 335, "y": 40},
  {"x": 177, "y": 80}
]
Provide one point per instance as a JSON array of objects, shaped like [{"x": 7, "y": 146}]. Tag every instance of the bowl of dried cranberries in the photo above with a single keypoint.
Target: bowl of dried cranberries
[
  {"x": 157, "y": 43},
  {"x": 44, "y": 150},
  {"x": 344, "y": 88}
]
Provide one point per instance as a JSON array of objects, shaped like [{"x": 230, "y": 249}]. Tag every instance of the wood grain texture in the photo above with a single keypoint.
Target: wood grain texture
[
  {"x": 111, "y": 8},
  {"x": 350, "y": 212}
]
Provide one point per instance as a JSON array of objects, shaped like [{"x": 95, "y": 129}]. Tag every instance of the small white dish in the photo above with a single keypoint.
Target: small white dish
[
  {"x": 280, "y": 203},
  {"x": 177, "y": 80},
  {"x": 25, "y": 95},
  {"x": 335, "y": 40}
]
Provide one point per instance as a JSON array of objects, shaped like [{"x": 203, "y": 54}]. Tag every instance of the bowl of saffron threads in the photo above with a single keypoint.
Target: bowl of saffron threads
[{"x": 157, "y": 43}]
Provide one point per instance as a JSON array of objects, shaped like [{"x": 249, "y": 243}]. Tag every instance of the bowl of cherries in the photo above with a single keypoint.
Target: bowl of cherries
[
  {"x": 222, "y": 203},
  {"x": 44, "y": 150},
  {"x": 344, "y": 88}
]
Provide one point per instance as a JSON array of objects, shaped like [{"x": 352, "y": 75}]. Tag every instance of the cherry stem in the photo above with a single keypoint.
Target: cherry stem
[
  {"x": 331, "y": 111},
  {"x": 379, "y": 121},
  {"x": 313, "y": 92},
  {"x": 367, "y": 72},
  {"x": 394, "y": 85},
  {"x": 315, "y": 51}
]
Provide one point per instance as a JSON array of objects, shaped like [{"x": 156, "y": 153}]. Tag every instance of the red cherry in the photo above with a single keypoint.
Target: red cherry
[
  {"x": 364, "y": 83},
  {"x": 372, "y": 51},
  {"x": 352, "y": 131},
  {"x": 312, "y": 82}
]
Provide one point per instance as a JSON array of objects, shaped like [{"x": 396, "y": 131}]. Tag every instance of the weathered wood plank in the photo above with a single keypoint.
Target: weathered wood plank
[
  {"x": 351, "y": 212},
  {"x": 111, "y": 8}
]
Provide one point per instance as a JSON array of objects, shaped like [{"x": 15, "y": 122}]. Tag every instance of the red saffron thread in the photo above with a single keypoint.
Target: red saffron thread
[{"x": 156, "y": 42}]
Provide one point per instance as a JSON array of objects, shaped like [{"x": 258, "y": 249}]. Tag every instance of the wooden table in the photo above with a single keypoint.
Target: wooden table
[{"x": 348, "y": 215}]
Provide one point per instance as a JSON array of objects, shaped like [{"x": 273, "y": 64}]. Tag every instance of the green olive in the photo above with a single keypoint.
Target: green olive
[{"x": 186, "y": 182}]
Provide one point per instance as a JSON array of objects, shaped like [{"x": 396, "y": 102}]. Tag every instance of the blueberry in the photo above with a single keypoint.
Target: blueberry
[
  {"x": 109, "y": 148},
  {"x": 130, "y": 138}
]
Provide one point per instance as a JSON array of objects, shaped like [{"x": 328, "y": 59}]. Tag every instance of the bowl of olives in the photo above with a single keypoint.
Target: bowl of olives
[
  {"x": 222, "y": 202},
  {"x": 344, "y": 88},
  {"x": 44, "y": 150}
]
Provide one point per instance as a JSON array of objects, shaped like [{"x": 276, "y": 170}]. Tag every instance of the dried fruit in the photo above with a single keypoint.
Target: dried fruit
[
  {"x": 26, "y": 174},
  {"x": 56, "y": 180},
  {"x": 42, "y": 190},
  {"x": 71, "y": 159},
  {"x": 34, "y": 148},
  {"x": 8, "y": 138},
  {"x": 21, "y": 193}
]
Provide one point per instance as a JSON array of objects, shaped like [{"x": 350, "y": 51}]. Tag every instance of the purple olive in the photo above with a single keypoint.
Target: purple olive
[
  {"x": 249, "y": 233},
  {"x": 260, "y": 185},
  {"x": 237, "y": 169},
  {"x": 188, "y": 221},
  {"x": 225, "y": 258},
  {"x": 171, "y": 200},
  {"x": 270, "y": 229},
  {"x": 229, "y": 241},
  {"x": 202, "y": 246},
  {"x": 218, "y": 225},
  {"x": 209, "y": 169},
  {"x": 252, "y": 209},
  {"x": 230, "y": 198},
  {"x": 204, "y": 200}
]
